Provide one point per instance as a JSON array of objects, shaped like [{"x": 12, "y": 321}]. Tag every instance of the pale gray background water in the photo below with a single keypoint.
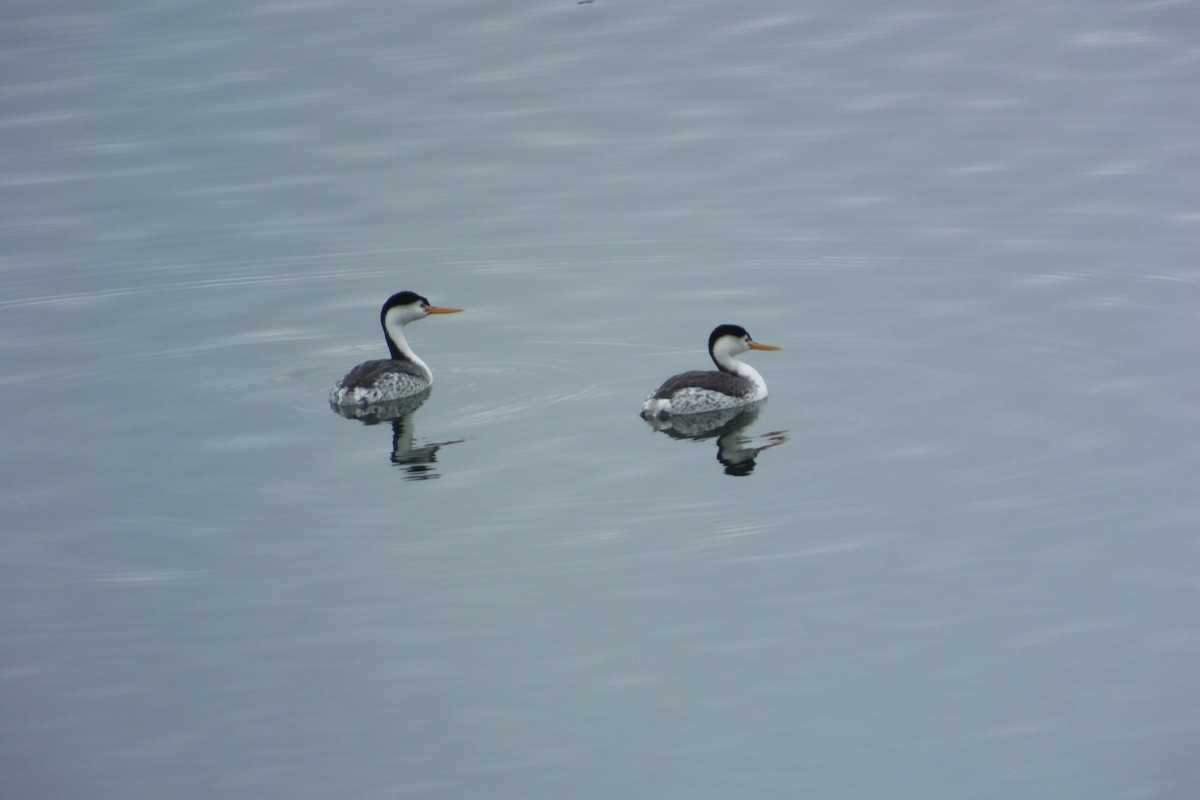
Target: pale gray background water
[{"x": 970, "y": 571}]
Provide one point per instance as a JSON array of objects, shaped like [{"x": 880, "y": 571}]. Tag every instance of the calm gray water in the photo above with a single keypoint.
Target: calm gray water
[{"x": 954, "y": 556}]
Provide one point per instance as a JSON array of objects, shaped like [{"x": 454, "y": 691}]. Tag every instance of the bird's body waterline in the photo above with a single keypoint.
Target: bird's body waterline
[
  {"x": 404, "y": 373},
  {"x": 731, "y": 385}
]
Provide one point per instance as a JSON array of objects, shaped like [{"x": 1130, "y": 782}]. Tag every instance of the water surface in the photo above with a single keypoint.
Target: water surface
[{"x": 964, "y": 565}]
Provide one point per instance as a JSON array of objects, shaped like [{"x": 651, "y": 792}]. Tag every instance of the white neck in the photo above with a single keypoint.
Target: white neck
[
  {"x": 730, "y": 363},
  {"x": 395, "y": 332}
]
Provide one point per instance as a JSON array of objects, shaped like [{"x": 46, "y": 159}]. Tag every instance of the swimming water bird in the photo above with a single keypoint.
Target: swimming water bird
[
  {"x": 730, "y": 385},
  {"x": 404, "y": 374}
]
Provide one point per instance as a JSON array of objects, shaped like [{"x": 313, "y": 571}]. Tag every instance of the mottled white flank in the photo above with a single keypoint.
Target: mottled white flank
[
  {"x": 695, "y": 400},
  {"x": 388, "y": 386}
]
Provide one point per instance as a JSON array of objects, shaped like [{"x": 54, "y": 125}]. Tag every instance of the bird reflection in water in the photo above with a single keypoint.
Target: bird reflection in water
[
  {"x": 734, "y": 449},
  {"x": 416, "y": 461}
]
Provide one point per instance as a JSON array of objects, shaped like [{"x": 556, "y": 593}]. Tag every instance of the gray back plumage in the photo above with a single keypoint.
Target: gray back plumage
[{"x": 714, "y": 380}]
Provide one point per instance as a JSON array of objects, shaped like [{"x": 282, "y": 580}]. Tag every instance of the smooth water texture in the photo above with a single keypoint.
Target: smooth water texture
[{"x": 954, "y": 555}]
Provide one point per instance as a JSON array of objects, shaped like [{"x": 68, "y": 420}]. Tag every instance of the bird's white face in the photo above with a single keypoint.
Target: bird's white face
[
  {"x": 729, "y": 345},
  {"x": 402, "y": 315}
]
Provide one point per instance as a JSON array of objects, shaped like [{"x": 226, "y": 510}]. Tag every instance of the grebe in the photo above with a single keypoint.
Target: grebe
[
  {"x": 732, "y": 384},
  {"x": 404, "y": 374}
]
